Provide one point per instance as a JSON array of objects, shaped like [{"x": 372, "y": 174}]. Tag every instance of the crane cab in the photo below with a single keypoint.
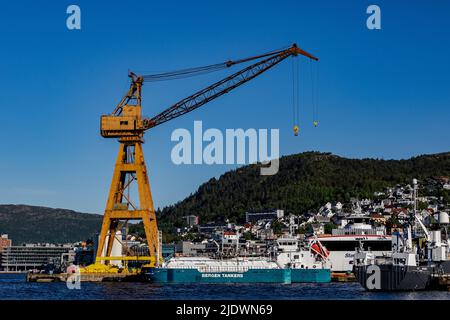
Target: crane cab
[{"x": 127, "y": 124}]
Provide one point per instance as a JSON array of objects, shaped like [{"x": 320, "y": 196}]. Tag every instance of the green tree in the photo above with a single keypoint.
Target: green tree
[
  {"x": 277, "y": 226},
  {"x": 328, "y": 227}
]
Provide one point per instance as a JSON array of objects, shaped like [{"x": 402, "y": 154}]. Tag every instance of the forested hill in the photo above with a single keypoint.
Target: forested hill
[
  {"x": 25, "y": 224},
  {"x": 304, "y": 181}
]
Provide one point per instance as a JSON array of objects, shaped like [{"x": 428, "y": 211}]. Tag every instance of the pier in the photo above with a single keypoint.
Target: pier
[
  {"x": 343, "y": 277},
  {"x": 85, "y": 277},
  {"x": 444, "y": 281}
]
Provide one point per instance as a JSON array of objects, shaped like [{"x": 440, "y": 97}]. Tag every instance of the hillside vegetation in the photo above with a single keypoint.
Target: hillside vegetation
[{"x": 25, "y": 224}]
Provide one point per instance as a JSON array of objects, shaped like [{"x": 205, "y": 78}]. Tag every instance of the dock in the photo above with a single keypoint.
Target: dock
[
  {"x": 444, "y": 281},
  {"x": 342, "y": 277},
  {"x": 85, "y": 277}
]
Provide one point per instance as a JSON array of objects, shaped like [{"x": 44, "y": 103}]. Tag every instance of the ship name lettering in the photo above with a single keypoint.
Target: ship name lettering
[
  {"x": 211, "y": 275},
  {"x": 232, "y": 275}
]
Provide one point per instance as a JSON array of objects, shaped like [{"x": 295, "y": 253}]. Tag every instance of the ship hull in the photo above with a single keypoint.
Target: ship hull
[
  {"x": 175, "y": 275},
  {"x": 394, "y": 278}
]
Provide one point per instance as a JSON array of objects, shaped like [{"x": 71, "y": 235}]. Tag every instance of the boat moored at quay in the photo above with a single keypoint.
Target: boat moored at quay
[
  {"x": 356, "y": 232},
  {"x": 419, "y": 259},
  {"x": 291, "y": 263}
]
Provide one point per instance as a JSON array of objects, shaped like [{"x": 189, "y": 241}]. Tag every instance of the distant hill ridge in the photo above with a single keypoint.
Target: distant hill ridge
[{"x": 31, "y": 224}]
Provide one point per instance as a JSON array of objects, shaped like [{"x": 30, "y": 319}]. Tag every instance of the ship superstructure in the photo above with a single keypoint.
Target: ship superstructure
[{"x": 356, "y": 232}]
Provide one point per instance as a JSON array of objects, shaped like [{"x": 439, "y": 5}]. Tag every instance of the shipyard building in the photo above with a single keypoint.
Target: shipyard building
[{"x": 34, "y": 256}]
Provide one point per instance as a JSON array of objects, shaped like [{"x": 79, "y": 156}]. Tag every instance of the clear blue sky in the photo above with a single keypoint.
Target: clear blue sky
[{"x": 383, "y": 93}]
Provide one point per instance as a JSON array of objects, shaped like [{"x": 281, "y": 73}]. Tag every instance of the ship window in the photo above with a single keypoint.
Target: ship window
[{"x": 296, "y": 256}]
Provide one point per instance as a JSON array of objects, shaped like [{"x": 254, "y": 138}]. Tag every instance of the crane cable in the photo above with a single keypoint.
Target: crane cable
[
  {"x": 191, "y": 72},
  {"x": 295, "y": 95},
  {"x": 185, "y": 73},
  {"x": 314, "y": 93}
]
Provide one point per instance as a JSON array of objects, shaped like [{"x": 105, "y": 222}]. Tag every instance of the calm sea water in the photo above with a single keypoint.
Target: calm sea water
[{"x": 14, "y": 286}]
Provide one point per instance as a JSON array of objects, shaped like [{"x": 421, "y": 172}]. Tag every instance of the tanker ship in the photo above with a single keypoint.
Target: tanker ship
[{"x": 290, "y": 263}]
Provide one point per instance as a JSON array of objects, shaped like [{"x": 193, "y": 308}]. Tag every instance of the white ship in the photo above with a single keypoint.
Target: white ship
[{"x": 354, "y": 232}]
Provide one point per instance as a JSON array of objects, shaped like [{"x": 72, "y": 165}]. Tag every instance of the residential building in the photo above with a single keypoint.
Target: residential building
[
  {"x": 191, "y": 220},
  {"x": 188, "y": 248}
]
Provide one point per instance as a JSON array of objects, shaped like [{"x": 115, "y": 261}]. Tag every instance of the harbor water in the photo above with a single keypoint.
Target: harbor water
[{"x": 14, "y": 287}]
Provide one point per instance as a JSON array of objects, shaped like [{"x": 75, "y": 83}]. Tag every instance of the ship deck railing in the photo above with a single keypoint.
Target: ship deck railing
[
  {"x": 223, "y": 269},
  {"x": 207, "y": 269}
]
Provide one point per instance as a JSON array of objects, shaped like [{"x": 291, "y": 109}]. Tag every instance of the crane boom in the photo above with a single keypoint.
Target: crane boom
[
  {"x": 126, "y": 122},
  {"x": 221, "y": 87}
]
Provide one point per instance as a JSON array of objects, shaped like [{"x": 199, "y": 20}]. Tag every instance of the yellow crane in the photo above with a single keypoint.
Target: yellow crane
[{"x": 127, "y": 125}]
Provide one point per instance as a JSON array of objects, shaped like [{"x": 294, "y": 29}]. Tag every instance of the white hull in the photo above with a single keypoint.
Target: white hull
[{"x": 342, "y": 248}]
